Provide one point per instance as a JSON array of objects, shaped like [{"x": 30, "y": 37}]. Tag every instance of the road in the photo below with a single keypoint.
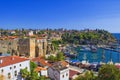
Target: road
[{"x": 76, "y": 69}]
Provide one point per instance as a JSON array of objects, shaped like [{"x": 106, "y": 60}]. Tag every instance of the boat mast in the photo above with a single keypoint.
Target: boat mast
[
  {"x": 84, "y": 57},
  {"x": 117, "y": 49},
  {"x": 118, "y": 57},
  {"x": 103, "y": 56},
  {"x": 110, "y": 56}
]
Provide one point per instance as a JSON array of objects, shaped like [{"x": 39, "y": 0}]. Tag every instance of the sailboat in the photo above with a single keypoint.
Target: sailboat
[
  {"x": 94, "y": 57},
  {"x": 102, "y": 57},
  {"x": 93, "y": 49},
  {"x": 110, "y": 62},
  {"x": 85, "y": 59},
  {"x": 84, "y": 56}
]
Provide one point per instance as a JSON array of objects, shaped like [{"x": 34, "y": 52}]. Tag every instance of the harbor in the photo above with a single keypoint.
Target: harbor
[{"x": 93, "y": 53}]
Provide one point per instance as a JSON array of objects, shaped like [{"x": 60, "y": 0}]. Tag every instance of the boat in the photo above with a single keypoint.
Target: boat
[
  {"x": 93, "y": 49},
  {"x": 119, "y": 47},
  {"x": 84, "y": 56},
  {"x": 84, "y": 61},
  {"x": 82, "y": 49},
  {"x": 110, "y": 62},
  {"x": 85, "y": 48}
]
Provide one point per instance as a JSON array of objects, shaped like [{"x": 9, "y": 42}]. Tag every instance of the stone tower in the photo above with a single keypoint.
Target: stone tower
[
  {"x": 32, "y": 47},
  {"x": 26, "y": 47},
  {"x": 41, "y": 47}
]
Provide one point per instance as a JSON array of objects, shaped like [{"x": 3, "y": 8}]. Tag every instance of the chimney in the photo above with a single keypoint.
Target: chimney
[{"x": 1, "y": 61}]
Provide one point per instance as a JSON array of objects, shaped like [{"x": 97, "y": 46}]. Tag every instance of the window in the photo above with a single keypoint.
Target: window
[
  {"x": 14, "y": 66},
  {"x": 9, "y": 76},
  {"x": 10, "y": 67},
  {"x": 63, "y": 76},
  {"x": 66, "y": 74},
  {"x": 15, "y": 73},
  {"x": 2, "y": 70},
  {"x": 20, "y": 65}
]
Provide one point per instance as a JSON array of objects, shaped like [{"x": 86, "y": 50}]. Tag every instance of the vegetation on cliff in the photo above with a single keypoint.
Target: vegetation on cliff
[{"x": 87, "y": 37}]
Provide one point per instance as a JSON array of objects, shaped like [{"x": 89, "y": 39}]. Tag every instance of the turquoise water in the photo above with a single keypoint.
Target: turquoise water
[{"x": 97, "y": 57}]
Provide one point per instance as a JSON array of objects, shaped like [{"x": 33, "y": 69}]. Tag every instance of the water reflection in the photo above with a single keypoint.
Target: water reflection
[{"x": 101, "y": 55}]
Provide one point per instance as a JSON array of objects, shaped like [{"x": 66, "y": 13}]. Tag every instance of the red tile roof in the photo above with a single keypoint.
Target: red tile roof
[
  {"x": 117, "y": 66},
  {"x": 41, "y": 61},
  {"x": 64, "y": 63},
  {"x": 9, "y": 60},
  {"x": 37, "y": 69},
  {"x": 72, "y": 73}
]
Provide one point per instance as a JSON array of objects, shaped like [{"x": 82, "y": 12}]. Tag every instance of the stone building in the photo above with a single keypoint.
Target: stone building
[
  {"x": 41, "y": 47},
  {"x": 32, "y": 47},
  {"x": 29, "y": 47},
  {"x": 26, "y": 47},
  {"x": 9, "y": 46}
]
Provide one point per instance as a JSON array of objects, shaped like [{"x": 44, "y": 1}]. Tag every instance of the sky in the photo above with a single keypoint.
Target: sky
[{"x": 68, "y": 14}]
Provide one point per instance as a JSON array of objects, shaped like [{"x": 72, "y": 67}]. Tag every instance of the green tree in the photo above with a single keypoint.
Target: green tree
[
  {"x": 60, "y": 56},
  {"x": 24, "y": 73},
  {"x": 33, "y": 76},
  {"x": 32, "y": 66},
  {"x": 108, "y": 72},
  {"x": 52, "y": 58},
  {"x": 87, "y": 76},
  {"x": 94, "y": 37},
  {"x": 42, "y": 78}
]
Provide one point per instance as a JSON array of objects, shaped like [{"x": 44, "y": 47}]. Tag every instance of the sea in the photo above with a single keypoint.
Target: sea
[{"x": 91, "y": 57}]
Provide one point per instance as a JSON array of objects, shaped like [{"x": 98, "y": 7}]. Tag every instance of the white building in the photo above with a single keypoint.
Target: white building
[
  {"x": 30, "y": 33},
  {"x": 41, "y": 71},
  {"x": 58, "y": 71},
  {"x": 10, "y": 67},
  {"x": 42, "y": 66},
  {"x": 12, "y": 32}
]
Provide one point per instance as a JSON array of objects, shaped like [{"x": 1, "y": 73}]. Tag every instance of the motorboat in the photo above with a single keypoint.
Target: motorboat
[{"x": 93, "y": 49}]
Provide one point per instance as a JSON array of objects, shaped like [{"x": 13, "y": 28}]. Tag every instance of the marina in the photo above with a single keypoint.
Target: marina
[
  {"x": 100, "y": 55},
  {"x": 90, "y": 54}
]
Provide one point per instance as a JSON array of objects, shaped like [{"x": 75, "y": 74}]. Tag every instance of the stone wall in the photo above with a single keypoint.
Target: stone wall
[
  {"x": 26, "y": 47},
  {"x": 9, "y": 46},
  {"x": 29, "y": 47},
  {"x": 41, "y": 47}
]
